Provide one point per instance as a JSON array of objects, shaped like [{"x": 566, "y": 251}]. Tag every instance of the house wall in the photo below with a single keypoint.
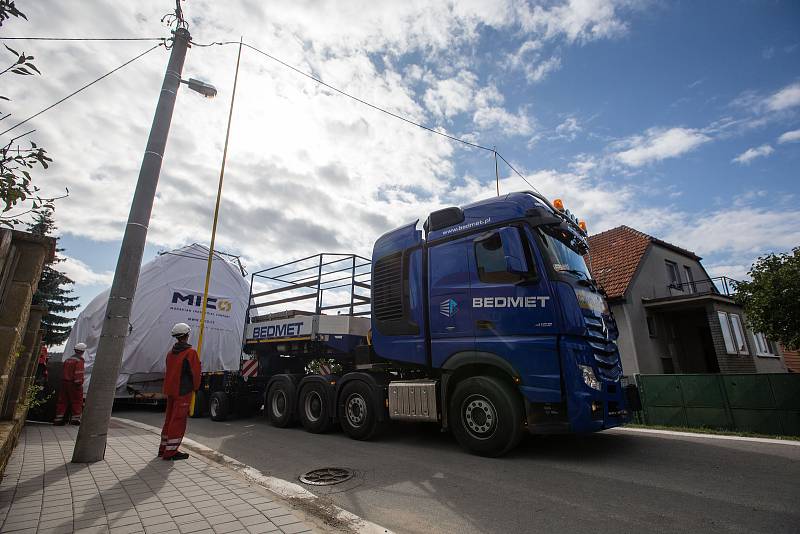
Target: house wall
[
  {"x": 627, "y": 351},
  {"x": 651, "y": 281}
]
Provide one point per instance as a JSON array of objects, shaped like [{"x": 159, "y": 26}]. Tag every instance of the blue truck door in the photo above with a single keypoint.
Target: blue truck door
[
  {"x": 513, "y": 310},
  {"x": 449, "y": 305}
]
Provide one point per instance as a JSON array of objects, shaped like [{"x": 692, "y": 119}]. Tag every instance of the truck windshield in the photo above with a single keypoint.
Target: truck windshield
[{"x": 563, "y": 250}]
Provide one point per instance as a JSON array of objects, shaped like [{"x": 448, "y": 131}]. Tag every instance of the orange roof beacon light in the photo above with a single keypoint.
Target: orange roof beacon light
[
  {"x": 582, "y": 224},
  {"x": 558, "y": 204}
]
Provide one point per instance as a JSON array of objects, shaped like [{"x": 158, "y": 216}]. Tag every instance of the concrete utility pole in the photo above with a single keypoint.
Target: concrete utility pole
[{"x": 91, "y": 443}]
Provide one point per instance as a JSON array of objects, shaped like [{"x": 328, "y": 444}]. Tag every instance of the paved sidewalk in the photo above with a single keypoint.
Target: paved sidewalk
[{"x": 130, "y": 491}]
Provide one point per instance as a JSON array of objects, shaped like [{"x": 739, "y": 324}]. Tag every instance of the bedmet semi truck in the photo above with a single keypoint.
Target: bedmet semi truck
[{"x": 486, "y": 322}]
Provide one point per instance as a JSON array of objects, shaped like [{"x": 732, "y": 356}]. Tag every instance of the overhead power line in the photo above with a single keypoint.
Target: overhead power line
[
  {"x": 81, "y": 89},
  {"x": 373, "y": 106},
  {"x": 368, "y": 104},
  {"x": 82, "y": 38}
]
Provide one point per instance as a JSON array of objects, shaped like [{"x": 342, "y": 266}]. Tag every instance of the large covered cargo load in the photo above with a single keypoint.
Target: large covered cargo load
[{"x": 170, "y": 290}]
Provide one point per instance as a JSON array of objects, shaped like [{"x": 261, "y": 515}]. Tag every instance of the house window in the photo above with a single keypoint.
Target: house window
[
  {"x": 689, "y": 279},
  {"x": 651, "y": 326},
  {"x": 763, "y": 345},
  {"x": 673, "y": 275},
  {"x": 738, "y": 333},
  {"x": 732, "y": 333}
]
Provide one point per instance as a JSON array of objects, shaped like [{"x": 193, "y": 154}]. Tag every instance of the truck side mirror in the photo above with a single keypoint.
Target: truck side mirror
[{"x": 513, "y": 251}]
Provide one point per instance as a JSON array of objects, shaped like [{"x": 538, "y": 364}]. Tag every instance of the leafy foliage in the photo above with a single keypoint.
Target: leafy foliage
[
  {"x": 772, "y": 299},
  {"x": 16, "y": 163},
  {"x": 8, "y": 10},
  {"x": 53, "y": 290},
  {"x": 35, "y": 397}
]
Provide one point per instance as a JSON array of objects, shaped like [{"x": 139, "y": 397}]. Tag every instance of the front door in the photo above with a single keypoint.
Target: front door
[{"x": 514, "y": 313}]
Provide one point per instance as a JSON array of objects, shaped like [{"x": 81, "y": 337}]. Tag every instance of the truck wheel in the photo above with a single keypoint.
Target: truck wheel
[
  {"x": 486, "y": 416},
  {"x": 219, "y": 406},
  {"x": 200, "y": 401},
  {"x": 357, "y": 411},
  {"x": 278, "y": 407},
  {"x": 313, "y": 408}
]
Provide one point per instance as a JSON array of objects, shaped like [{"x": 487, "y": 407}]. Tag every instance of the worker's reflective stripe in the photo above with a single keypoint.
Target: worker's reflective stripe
[{"x": 174, "y": 440}]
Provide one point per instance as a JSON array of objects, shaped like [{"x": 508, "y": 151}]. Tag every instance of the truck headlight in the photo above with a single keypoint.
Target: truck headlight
[{"x": 589, "y": 377}]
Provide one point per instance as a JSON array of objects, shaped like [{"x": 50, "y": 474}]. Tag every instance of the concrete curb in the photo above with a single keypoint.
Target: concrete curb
[
  {"x": 709, "y": 436},
  {"x": 283, "y": 488}
]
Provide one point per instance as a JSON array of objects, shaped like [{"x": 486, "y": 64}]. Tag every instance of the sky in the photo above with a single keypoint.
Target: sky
[{"x": 680, "y": 119}]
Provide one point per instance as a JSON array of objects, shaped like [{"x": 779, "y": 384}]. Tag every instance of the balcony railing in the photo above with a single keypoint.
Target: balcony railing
[{"x": 719, "y": 285}]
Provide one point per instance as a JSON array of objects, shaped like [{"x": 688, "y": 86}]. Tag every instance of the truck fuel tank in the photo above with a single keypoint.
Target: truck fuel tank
[{"x": 413, "y": 400}]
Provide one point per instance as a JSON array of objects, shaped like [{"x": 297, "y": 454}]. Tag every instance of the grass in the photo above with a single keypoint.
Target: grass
[{"x": 713, "y": 431}]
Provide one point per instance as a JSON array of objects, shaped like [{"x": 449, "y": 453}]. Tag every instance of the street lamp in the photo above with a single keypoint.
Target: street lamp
[
  {"x": 205, "y": 89},
  {"x": 90, "y": 444}
]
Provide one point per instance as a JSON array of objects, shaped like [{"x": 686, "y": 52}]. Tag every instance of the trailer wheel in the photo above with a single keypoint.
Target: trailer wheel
[
  {"x": 357, "y": 411},
  {"x": 313, "y": 408},
  {"x": 219, "y": 406},
  {"x": 278, "y": 407},
  {"x": 200, "y": 401},
  {"x": 486, "y": 416}
]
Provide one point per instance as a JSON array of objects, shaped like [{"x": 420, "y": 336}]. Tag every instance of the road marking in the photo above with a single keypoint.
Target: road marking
[
  {"x": 284, "y": 488},
  {"x": 710, "y": 436}
]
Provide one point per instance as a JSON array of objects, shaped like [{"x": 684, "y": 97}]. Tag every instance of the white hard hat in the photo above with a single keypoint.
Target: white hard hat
[
  {"x": 80, "y": 347},
  {"x": 180, "y": 329}
]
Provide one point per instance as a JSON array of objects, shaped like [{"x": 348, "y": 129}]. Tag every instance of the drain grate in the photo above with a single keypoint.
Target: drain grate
[{"x": 327, "y": 476}]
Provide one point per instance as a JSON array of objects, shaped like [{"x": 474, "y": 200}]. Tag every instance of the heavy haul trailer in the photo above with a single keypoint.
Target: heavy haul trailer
[
  {"x": 280, "y": 344},
  {"x": 486, "y": 322}
]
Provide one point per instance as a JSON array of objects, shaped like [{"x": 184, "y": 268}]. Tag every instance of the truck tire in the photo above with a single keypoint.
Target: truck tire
[
  {"x": 219, "y": 406},
  {"x": 486, "y": 416},
  {"x": 278, "y": 408},
  {"x": 313, "y": 408},
  {"x": 200, "y": 404},
  {"x": 357, "y": 413}
]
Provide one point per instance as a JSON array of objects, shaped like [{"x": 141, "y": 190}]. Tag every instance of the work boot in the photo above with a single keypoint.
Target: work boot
[
  {"x": 178, "y": 456},
  {"x": 75, "y": 423}
]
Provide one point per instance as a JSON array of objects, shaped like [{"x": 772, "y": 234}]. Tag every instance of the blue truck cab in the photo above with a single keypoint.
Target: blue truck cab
[{"x": 493, "y": 303}]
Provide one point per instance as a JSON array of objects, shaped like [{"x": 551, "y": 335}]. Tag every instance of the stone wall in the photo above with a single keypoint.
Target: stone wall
[{"x": 22, "y": 257}]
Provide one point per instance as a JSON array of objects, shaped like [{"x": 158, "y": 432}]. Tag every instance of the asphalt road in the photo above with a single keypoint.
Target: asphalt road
[{"x": 416, "y": 479}]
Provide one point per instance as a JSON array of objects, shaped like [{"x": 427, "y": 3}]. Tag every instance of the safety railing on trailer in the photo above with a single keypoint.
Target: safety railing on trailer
[{"x": 337, "y": 283}]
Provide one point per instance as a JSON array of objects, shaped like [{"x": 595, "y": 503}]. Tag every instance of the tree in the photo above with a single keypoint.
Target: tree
[
  {"x": 53, "y": 290},
  {"x": 772, "y": 299},
  {"x": 17, "y": 189}
]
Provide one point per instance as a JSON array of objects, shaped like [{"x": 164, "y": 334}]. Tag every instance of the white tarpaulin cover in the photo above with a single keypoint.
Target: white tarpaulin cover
[{"x": 170, "y": 291}]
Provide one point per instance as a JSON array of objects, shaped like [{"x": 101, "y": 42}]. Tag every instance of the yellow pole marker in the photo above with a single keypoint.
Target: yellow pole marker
[{"x": 216, "y": 217}]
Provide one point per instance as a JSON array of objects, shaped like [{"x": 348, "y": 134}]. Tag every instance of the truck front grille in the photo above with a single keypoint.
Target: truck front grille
[{"x": 606, "y": 354}]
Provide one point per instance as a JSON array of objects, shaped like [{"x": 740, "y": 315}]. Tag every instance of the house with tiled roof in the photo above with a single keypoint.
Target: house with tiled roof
[{"x": 671, "y": 315}]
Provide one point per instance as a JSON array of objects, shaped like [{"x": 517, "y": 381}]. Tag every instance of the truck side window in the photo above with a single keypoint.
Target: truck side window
[{"x": 492, "y": 262}]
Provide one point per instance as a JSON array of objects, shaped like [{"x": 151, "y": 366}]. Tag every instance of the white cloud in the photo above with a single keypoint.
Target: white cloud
[
  {"x": 786, "y": 98},
  {"x": 743, "y": 231},
  {"x": 789, "y": 137},
  {"x": 82, "y": 274},
  {"x": 572, "y": 21},
  {"x": 752, "y": 153},
  {"x": 569, "y": 129},
  {"x": 575, "y": 20},
  {"x": 449, "y": 97},
  {"x": 535, "y": 72},
  {"x": 658, "y": 144},
  {"x": 509, "y": 123}
]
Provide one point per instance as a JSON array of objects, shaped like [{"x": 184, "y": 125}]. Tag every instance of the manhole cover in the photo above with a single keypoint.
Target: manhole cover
[{"x": 327, "y": 476}]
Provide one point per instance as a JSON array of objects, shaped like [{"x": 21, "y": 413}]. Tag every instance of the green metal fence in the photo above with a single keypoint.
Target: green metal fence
[{"x": 760, "y": 403}]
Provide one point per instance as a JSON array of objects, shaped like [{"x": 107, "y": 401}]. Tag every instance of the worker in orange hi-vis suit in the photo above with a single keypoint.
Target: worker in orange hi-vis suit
[
  {"x": 71, "y": 392},
  {"x": 181, "y": 380}
]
